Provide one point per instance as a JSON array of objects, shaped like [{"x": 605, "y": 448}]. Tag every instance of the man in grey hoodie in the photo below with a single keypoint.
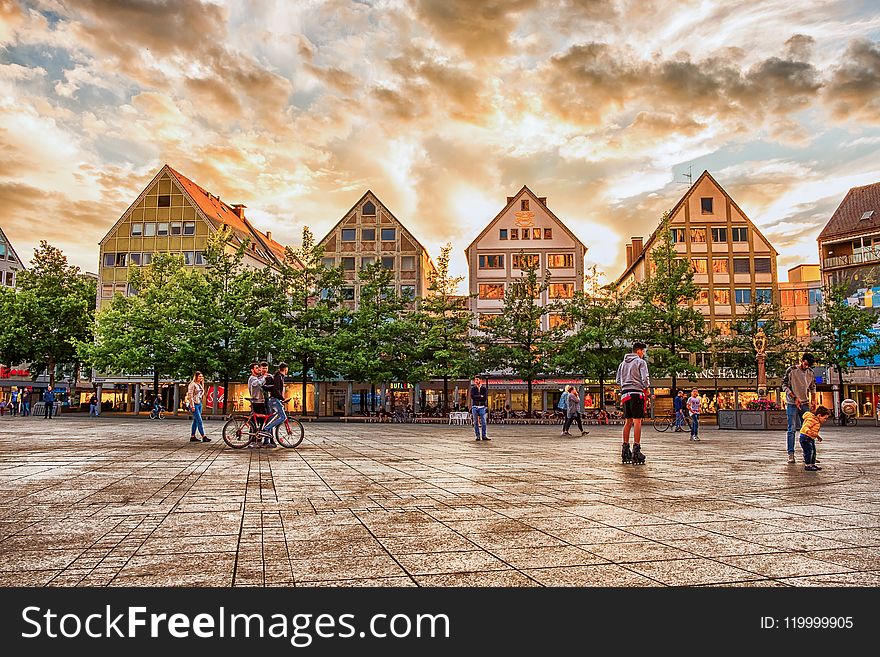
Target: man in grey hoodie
[{"x": 632, "y": 377}]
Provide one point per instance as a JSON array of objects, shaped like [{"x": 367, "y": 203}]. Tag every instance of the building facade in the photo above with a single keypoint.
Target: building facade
[
  {"x": 10, "y": 263},
  {"x": 172, "y": 214},
  {"x": 525, "y": 230},
  {"x": 799, "y": 299}
]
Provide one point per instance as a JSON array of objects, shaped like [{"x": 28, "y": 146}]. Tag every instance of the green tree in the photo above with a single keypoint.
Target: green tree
[
  {"x": 446, "y": 320},
  {"x": 843, "y": 333},
  {"x": 595, "y": 342},
  {"x": 157, "y": 329},
  {"x": 663, "y": 317},
  {"x": 515, "y": 340},
  {"x": 737, "y": 350},
  {"x": 50, "y": 311},
  {"x": 312, "y": 313}
]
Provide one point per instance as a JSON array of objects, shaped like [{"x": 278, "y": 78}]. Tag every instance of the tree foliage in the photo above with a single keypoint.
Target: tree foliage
[{"x": 737, "y": 350}]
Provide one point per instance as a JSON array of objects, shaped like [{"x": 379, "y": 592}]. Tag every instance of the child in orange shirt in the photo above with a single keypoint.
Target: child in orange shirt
[{"x": 810, "y": 434}]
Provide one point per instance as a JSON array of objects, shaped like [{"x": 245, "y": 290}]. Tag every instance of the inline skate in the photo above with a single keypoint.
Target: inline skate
[
  {"x": 637, "y": 457},
  {"x": 626, "y": 455}
]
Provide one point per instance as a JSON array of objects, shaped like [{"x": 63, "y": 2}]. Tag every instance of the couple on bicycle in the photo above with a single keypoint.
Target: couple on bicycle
[{"x": 267, "y": 398}]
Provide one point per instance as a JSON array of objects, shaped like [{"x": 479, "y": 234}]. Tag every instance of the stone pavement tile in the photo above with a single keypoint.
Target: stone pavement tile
[
  {"x": 498, "y": 578},
  {"x": 558, "y": 522},
  {"x": 783, "y": 564},
  {"x": 450, "y": 562},
  {"x": 335, "y": 548},
  {"x": 798, "y": 542},
  {"x": 714, "y": 545},
  {"x": 488, "y": 525},
  {"x": 858, "y": 520},
  {"x": 813, "y": 510},
  {"x": 214, "y": 569},
  {"x": 21, "y": 560},
  {"x": 539, "y": 557},
  {"x": 756, "y": 583},
  {"x": 27, "y": 577},
  {"x": 696, "y": 517},
  {"x": 420, "y": 544},
  {"x": 690, "y": 572},
  {"x": 871, "y": 579},
  {"x": 756, "y": 513},
  {"x": 744, "y": 529},
  {"x": 189, "y": 544},
  {"x": 70, "y": 577},
  {"x": 643, "y": 551},
  {"x": 855, "y": 558},
  {"x": 469, "y": 513},
  {"x": 320, "y": 569},
  {"x": 598, "y": 575},
  {"x": 594, "y": 536},
  {"x": 522, "y": 539},
  {"x": 666, "y": 532},
  {"x": 366, "y": 582},
  {"x": 861, "y": 537}
]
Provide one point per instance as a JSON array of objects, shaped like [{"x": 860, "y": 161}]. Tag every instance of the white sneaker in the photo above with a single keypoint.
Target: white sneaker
[
  {"x": 791, "y": 458},
  {"x": 696, "y": 438}
]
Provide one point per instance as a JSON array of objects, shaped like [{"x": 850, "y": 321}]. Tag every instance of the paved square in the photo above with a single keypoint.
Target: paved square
[{"x": 126, "y": 502}]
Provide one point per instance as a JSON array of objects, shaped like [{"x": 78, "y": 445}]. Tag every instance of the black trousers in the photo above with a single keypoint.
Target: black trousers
[
  {"x": 47, "y": 414},
  {"x": 573, "y": 418}
]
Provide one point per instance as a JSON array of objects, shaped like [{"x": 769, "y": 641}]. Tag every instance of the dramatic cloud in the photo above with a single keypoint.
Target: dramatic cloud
[{"x": 854, "y": 90}]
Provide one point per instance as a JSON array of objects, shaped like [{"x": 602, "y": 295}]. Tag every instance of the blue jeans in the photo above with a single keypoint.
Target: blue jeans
[
  {"x": 795, "y": 416},
  {"x": 679, "y": 418},
  {"x": 276, "y": 416},
  {"x": 695, "y": 423},
  {"x": 479, "y": 414},
  {"x": 197, "y": 420},
  {"x": 809, "y": 447}
]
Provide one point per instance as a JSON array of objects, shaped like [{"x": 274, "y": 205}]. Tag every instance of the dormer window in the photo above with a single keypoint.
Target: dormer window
[
  {"x": 867, "y": 215},
  {"x": 369, "y": 209}
]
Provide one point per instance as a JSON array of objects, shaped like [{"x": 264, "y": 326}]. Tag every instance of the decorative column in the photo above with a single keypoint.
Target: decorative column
[{"x": 760, "y": 343}]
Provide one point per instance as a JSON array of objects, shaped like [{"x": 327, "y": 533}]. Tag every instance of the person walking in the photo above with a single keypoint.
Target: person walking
[
  {"x": 573, "y": 412},
  {"x": 563, "y": 404},
  {"x": 14, "y": 409},
  {"x": 273, "y": 389},
  {"x": 632, "y": 377},
  {"x": 678, "y": 406},
  {"x": 93, "y": 405},
  {"x": 48, "y": 403},
  {"x": 693, "y": 406},
  {"x": 479, "y": 397},
  {"x": 195, "y": 393},
  {"x": 799, "y": 384}
]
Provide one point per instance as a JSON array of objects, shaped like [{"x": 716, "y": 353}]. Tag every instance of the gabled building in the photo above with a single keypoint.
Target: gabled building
[
  {"x": 10, "y": 263},
  {"x": 849, "y": 244},
  {"x": 524, "y": 228},
  {"x": 368, "y": 233}
]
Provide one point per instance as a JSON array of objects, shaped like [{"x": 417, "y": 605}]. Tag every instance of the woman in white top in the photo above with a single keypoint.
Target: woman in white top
[{"x": 194, "y": 393}]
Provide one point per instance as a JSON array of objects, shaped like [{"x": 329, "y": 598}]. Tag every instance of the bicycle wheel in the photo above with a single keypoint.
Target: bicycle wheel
[
  {"x": 662, "y": 423},
  {"x": 290, "y": 434},
  {"x": 238, "y": 432}
]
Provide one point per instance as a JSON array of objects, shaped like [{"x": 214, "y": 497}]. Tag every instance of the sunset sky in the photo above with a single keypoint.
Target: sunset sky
[{"x": 442, "y": 108}]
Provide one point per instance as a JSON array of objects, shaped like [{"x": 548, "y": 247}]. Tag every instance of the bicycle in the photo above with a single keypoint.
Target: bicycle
[
  {"x": 847, "y": 420},
  {"x": 242, "y": 430},
  {"x": 663, "y": 423},
  {"x": 157, "y": 413}
]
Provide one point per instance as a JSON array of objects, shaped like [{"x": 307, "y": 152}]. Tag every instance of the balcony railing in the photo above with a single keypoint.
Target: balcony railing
[{"x": 867, "y": 256}]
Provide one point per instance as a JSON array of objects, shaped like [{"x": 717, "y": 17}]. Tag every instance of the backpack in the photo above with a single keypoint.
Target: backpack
[{"x": 562, "y": 405}]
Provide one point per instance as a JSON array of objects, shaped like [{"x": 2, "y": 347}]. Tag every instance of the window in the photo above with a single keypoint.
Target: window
[
  {"x": 719, "y": 265},
  {"x": 548, "y": 233},
  {"x": 109, "y": 259},
  {"x": 369, "y": 210},
  {"x": 723, "y": 327},
  {"x": 802, "y": 328},
  {"x": 147, "y": 258},
  {"x": 743, "y": 296},
  {"x": 562, "y": 260},
  {"x": 164, "y": 201},
  {"x": 677, "y": 235},
  {"x": 502, "y": 233},
  {"x": 485, "y": 318},
  {"x": 329, "y": 263},
  {"x": 764, "y": 295},
  {"x": 176, "y": 228},
  {"x": 348, "y": 264},
  {"x": 702, "y": 298},
  {"x": 2, "y": 252},
  {"x": 408, "y": 292},
  {"x": 491, "y": 262},
  {"x": 559, "y": 321},
  {"x": 137, "y": 230},
  {"x": 525, "y": 260},
  {"x": 388, "y": 262},
  {"x": 722, "y": 297},
  {"x": 524, "y": 204},
  {"x": 189, "y": 228},
  {"x": 719, "y": 235},
  {"x": 741, "y": 266},
  {"x": 407, "y": 263},
  {"x": 162, "y": 228},
  {"x": 10, "y": 279},
  {"x": 368, "y": 234},
  {"x": 762, "y": 266},
  {"x": 107, "y": 291},
  {"x": 815, "y": 297},
  {"x": 149, "y": 229},
  {"x": 120, "y": 288},
  {"x": 491, "y": 290},
  {"x": 121, "y": 259},
  {"x": 389, "y": 234},
  {"x": 367, "y": 261},
  {"x": 200, "y": 257},
  {"x": 561, "y": 290},
  {"x": 699, "y": 265},
  {"x": 189, "y": 258},
  {"x": 698, "y": 235},
  {"x": 536, "y": 233},
  {"x": 130, "y": 291},
  {"x": 706, "y": 205},
  {"x": 526, "y": 234},
  {"x": 348, "y": 294},
  {"x": 739, "y": 234},
  {"x": 514, "y": 233},
  {"x": 349, "y": 234},
  {"x": 134, "y": 259}
]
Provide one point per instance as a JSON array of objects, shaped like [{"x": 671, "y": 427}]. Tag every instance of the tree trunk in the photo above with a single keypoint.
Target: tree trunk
[
  {"x": 601, "y": 403},
  {"x": 529, "y": 393},
  {"x": 445, "y": 393},
  {"x": 225, "y": 391},
  {"x": 305, "y": 373},
  {"x": 373, "y": 397},
  {"x": 51, "y": 366},
  {"x": 155, "y": 381}
]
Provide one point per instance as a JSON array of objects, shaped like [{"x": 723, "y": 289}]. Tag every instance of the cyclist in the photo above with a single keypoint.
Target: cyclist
[
  {"x": 157, "y": 408},
  {"x": 273, "y": 387}
]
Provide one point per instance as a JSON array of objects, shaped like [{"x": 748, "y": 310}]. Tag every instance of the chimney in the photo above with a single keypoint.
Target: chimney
[
  {"x": 269, "y": 234},
  {"x": 636, "y": 247},
  {"x": 629, "y": 255},
  {"x": 238, "y": 209},
  {"x": 543, "y": 200}
]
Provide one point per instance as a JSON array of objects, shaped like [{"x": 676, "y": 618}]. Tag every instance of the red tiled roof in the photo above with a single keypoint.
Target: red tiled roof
[
  {"x": 847, "y": 218},
  {"x": 220, "y": 213}
]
